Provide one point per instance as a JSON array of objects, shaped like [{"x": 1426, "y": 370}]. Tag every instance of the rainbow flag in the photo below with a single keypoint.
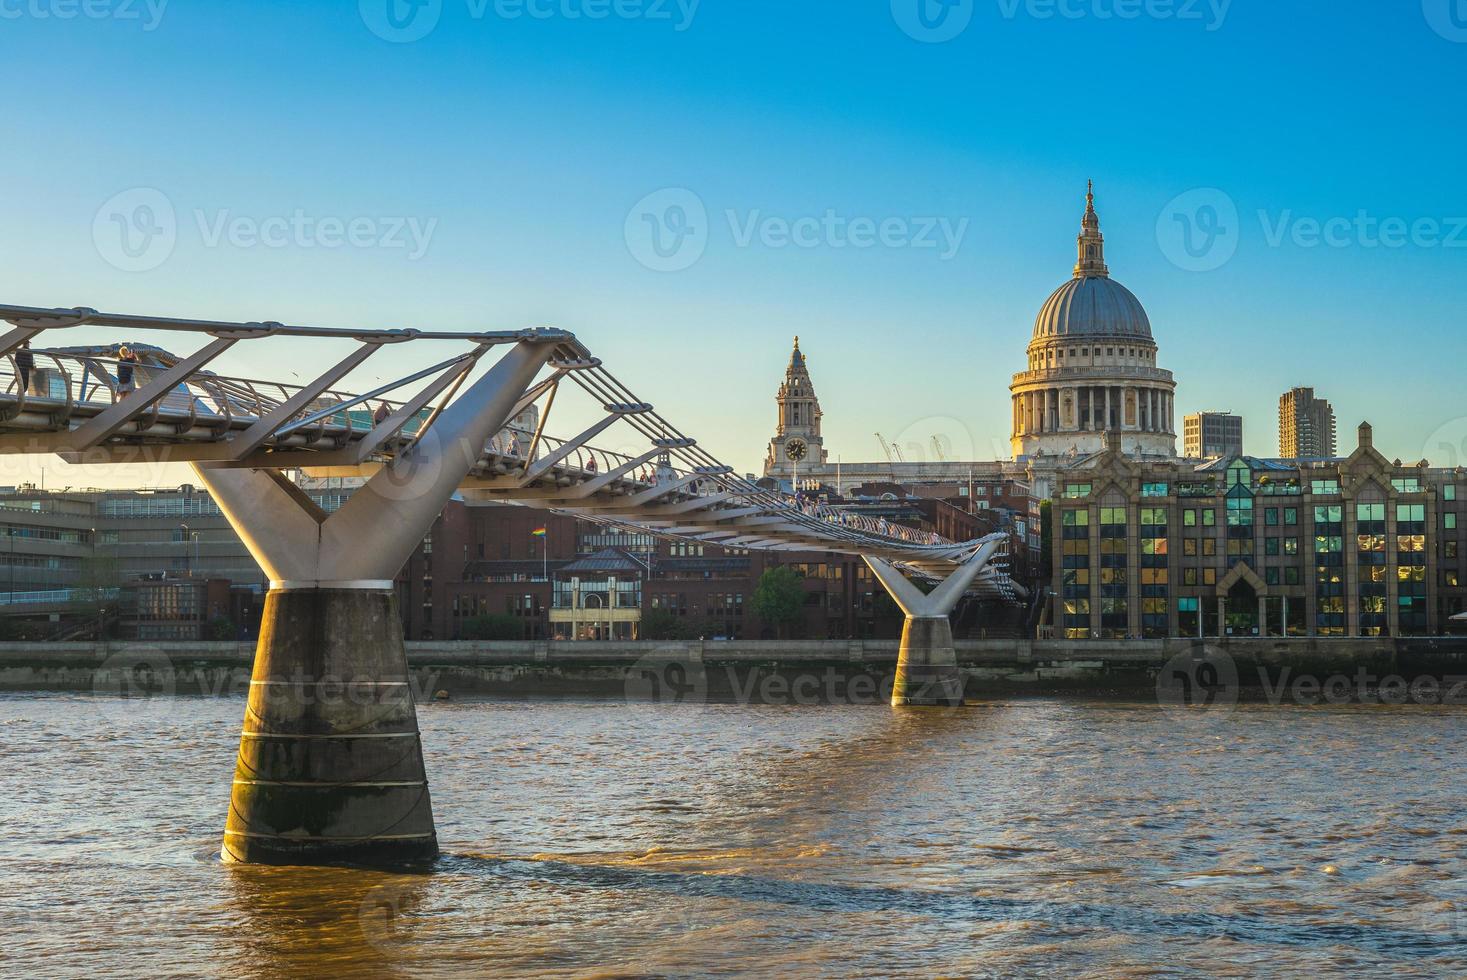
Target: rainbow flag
[{"x": 539, "y": 532}]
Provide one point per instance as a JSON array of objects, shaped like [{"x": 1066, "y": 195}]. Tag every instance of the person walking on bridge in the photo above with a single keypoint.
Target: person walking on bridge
[
  {"x": 25, "y": 363},
  {"x": 126, "y": 362}
]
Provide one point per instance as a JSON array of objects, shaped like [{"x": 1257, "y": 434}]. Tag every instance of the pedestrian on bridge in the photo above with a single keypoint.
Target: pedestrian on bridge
[
  {"x": 25, "y": 363},
  {"x": 126, "y": 362}
]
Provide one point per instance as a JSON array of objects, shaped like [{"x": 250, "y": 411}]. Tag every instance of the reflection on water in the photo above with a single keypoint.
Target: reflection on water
[{"x": 608, "y": 839}]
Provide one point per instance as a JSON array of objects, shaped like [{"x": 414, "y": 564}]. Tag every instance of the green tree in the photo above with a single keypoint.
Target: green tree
[
  {"x": 779, "y": 598},
  {"x": 663, "y": 624},
  {"x": 496, "y": 627},
  {"x": 222, "y": 628}
]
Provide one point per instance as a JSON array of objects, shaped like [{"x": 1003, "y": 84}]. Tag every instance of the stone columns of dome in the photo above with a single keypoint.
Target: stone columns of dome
[{"x": 1090, "y": 408}]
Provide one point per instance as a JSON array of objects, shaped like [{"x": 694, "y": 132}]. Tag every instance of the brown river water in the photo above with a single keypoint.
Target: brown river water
[{"x": 613, "y": 839}]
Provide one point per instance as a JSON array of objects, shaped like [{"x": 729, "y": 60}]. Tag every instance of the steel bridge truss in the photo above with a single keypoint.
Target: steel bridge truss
[{"x": 419, "y": 435}]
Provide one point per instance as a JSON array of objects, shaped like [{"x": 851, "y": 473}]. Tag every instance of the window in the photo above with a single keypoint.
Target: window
[
  {"x": 1324, "y": 486},
  {"x": 1153, "y": 489},
  {"x": 1209, "y": 546},
  {"x": 1449, "y": 578},
  {"x": 1449, "y": 521},
  {"x": 1209, "y": 517},
  {"x": 1209, "y": 576},
  {"x": 1189, "y": 546},
  {"x": 1271, "y": 576},
  {"x": 1189, "y": 518},
  {"x": 1270, "y": 546},
  {"x": 1407, "y": 485},
  {"x": 1077, "y": 489},
  {"x": 1291, "y": 546},
  {"x": 1449, "y": 491},
  {"x": 1189, "y": 576},
  {"x": 1271, "y": 516},
  {"x": 1291, "y": 515}
]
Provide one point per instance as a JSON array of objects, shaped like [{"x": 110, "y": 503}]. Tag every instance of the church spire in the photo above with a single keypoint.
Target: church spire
[{"x": 1091, "y": 242}]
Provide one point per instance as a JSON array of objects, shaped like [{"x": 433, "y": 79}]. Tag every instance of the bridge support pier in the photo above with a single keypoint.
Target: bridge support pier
[
  {"x": 927, "y": 674},
  {"x": 330, "y": 764}
]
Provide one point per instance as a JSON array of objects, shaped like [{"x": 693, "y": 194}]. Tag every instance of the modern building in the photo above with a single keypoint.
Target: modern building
[
  {"x": 63, "y": 549},
  {"x": 1306, "y": 426},
  {"x": 1243, "y": 546},
  {"x": 1207, "y": 435}
]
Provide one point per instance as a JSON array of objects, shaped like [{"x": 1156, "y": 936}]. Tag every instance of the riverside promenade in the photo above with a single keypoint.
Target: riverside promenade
[{"x": 794, "y": 671}]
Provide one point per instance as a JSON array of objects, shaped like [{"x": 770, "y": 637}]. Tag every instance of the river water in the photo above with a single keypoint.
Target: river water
[{"x": 614, "y": 839}]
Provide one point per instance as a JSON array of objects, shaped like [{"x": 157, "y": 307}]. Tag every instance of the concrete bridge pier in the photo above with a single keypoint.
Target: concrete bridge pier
[
  {"x": 330, "y": 765},
  {"x": 927, "y": 672}
]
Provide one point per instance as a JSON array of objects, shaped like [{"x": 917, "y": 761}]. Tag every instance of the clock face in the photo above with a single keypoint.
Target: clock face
[{"x": 795, "y": 450}]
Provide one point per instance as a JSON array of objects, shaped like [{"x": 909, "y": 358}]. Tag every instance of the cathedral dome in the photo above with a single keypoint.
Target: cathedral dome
[{"x": 1092, "y": 306}]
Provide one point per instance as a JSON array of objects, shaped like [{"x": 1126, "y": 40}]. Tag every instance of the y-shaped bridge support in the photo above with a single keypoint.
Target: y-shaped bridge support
[
  {"x": 927, "y": 667},
  {"x": 330, "y": 764}
]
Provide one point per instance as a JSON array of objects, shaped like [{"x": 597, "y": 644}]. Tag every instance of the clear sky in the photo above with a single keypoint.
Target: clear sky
[{"x": 937, "y": 156}]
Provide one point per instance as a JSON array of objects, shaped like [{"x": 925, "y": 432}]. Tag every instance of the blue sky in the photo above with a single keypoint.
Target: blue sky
[{"x": 524, "y": 148}]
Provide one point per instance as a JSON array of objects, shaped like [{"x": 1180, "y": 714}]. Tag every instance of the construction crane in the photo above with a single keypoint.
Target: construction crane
[
  {"x": 884, "y": 447},
  {"x": 937, "y": 449}
]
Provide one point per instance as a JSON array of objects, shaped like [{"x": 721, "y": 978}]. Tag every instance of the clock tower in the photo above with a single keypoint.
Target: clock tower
[{"x": 797, "y": 447}]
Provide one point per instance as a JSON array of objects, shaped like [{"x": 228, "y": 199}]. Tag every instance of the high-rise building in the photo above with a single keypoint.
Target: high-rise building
[
  {"x": 1306, "y": 425},
  {"x": 1206, "y": 435}
]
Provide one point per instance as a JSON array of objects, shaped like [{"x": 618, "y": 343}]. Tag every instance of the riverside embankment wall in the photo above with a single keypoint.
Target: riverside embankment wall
[{"x": 774, "y": 671}]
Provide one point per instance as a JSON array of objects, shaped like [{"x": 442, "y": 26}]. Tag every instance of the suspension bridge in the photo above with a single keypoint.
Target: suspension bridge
[{"x": 322, "y": 776}]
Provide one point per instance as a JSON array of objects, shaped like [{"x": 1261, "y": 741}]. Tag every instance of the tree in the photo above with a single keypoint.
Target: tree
[
  {"x": 779, "y": 599},
  {"x": 222, "y": 628},
  {"x": 496, "y": 627},
  {"x": 663, "y": 624}
]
